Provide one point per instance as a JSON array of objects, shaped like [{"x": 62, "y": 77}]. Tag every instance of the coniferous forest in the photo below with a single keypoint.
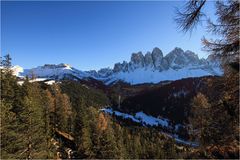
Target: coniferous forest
[{"x": 65, "y": 120}]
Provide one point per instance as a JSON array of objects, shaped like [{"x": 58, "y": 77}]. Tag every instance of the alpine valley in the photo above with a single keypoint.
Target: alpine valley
[
  {"x": 142, "y": 103},
  {"x": 146, "y": 91}
]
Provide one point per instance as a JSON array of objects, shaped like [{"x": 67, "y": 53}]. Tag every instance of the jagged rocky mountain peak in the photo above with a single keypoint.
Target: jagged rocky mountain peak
[
  {"x": 93, "y": 73},
  {"x": 177, "y": 58},
  {"x": 177, "y": 50},
  {"x": 148, "y": 60},
  {"x": 137, "y": 60},
  {"x": 157, "y": 51},
  {"x": 55, "y": 66},
  {"x": 155, "y": 60},
  {"x": 105, "y": 71},
  {"x": 152, "y": 67},
  {"x": 117, "y": 67},
  {"x": 157, "y": 57}
]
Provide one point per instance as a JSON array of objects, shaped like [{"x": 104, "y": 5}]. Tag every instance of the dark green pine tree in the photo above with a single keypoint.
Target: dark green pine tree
[
  {"x": 106, "y": 139},
  {"x": 118, "y": 133},
  {"x": 34, "y": 122},
  {"x": 169, "y": 149},
  {"x": 10, "y": 90},
  {"x": 10, "y": 133},
  {"x": 82, "y": 131},
  {"x": 136, "y": 146},
  {"x": 126, "y": 141},
  {"x": 6, "y": 62},
  {"x": 62, "y": 114},
  {"x": 48, "y": 104},
  {"x": 11, "y": 109},
  {"x": 66, "y": 113}
]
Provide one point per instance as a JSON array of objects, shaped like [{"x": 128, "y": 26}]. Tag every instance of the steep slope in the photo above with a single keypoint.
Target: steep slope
[
  {"x": 171, "y": 101},
  {"x": 147, "y": 120}
]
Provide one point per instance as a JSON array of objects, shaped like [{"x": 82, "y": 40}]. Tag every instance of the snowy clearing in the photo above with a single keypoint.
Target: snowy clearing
[{"x": 141, "y": 117}]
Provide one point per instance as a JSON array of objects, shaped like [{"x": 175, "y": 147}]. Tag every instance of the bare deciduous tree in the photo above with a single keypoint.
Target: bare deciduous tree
[
  {"x": 226, "y": 25},
  {"x": 189, "y": 16}
]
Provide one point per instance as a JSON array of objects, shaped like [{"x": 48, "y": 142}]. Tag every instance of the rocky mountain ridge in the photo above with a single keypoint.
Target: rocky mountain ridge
[
  {"x": 155, "y": 60},
  {"x": 152, "y": 67}
]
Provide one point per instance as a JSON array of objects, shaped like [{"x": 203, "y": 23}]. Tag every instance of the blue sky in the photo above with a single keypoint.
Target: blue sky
[{"x": 91, "y": 35}]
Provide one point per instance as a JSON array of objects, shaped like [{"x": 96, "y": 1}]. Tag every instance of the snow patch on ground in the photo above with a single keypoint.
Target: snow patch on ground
[
  {"x": 152, "y": 121},
  {"x": 141, "y": 117},
  {"x": 38, "y": 80},
  {"x": 51, "y": 82},
  {"x": 48, "y": 82},
  {"x": 20, "y": 83},
  {"x": 120, "y": 114}
]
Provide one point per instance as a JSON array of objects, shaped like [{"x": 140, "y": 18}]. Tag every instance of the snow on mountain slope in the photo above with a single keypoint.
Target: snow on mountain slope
[
  {"x": 54, "y": 71},
  {"x": 16, "y": 70},
  {"x": 152, "y": 67},
  {"x": 142, "y": 75}
]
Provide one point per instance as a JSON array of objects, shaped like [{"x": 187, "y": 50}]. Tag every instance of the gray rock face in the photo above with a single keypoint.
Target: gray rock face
[
  {"x": 117, "y": 67},
  {"x": 148, "y": 60},
  {"x": 93, "y": 73},
  {"x": 191, "y": 58},
  {"x": 124, "y": 66},
  {"x": 164, "y": 64},
  {"x": 157, "y": 57},
  {"x": 178, "y": 58},
  {"x": 53, "y": 66},
  {"x": 175, "y": 57},
  {"x": 105, "y": 72},
  {"x": 137, "y": 60}
]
